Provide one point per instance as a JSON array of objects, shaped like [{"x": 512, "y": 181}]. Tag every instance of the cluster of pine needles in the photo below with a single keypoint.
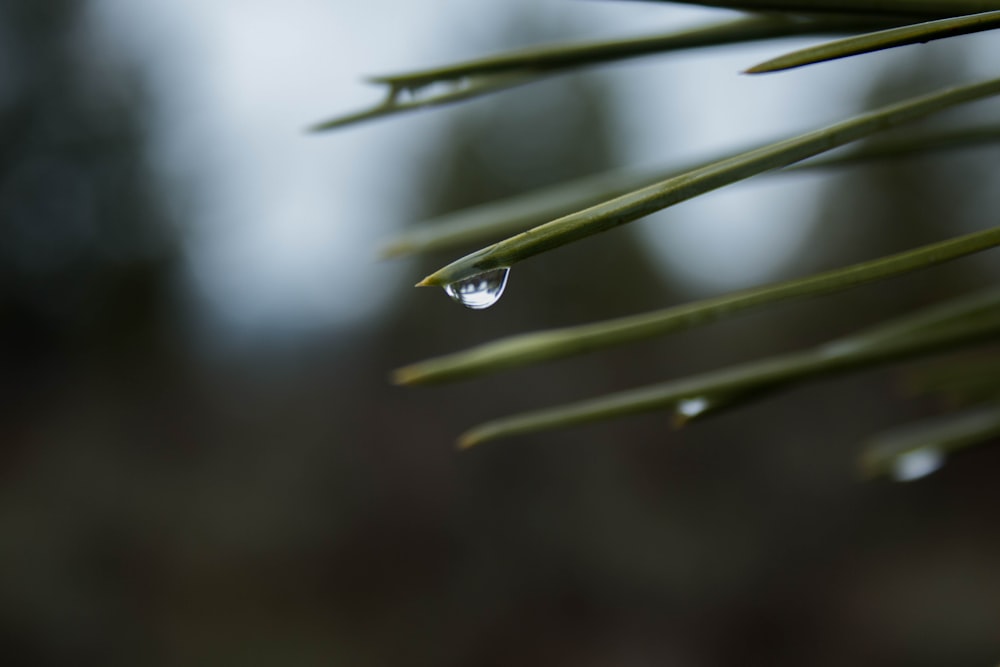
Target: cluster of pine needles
[{"x": 540, "y": 221}]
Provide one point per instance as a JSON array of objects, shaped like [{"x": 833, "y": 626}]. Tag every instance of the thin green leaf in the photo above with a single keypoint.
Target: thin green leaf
[
  {"x": 912, "y": 145},
  {"x": 640, "y": 203},
  {"x": 910, "y": 8},
  {"x": 881, "y": 40},
  {"x": 515, "y": 214},
  {"x": 746, "y": 381},
  {"x": 463, "y": 91},
  {"x": 557, "y": 343},
  {"x": 488, "y": 75},
  {"x": 927, "y": 444},
  {"x": 504, "y": 217},
  {"x": 930, "y": 319},
  {"x": 565, "y": 56}
]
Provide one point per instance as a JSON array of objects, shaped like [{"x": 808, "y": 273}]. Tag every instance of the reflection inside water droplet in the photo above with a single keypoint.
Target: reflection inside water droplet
[
  {"x": 691, "y": 407},
  {"x": 481, "y": 290},
  {"x": 916, "y": 464}
]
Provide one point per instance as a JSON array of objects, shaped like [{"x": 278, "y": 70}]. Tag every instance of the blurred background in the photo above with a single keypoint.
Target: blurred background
[{"x": 203, "y": 461}]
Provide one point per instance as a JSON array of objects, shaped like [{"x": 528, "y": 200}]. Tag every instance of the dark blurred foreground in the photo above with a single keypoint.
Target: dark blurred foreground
[{"x": 293, "y": 508}]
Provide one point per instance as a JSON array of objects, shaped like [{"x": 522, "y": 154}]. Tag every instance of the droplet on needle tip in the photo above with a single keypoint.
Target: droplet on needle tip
[{"x": 481, "y": 290}]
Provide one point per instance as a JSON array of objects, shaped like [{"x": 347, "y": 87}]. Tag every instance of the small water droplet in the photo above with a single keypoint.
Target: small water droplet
[
  {"x": 916, "y": 464},
  {"x": 481, "y": 290},
  {"x": 691, "y": 407}
]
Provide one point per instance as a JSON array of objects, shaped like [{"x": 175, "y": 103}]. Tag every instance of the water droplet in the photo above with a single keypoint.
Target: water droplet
[
  {"x": 481, "y": 290},
  {"x": 689, "y": 408},
  {"x": 916, "y": 464}
]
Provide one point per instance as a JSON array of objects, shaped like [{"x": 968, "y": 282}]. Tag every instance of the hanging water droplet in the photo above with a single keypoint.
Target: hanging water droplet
[
  {"x": 481, "y": 290},
  {"x": 916, "y": 464},
  {"x": 689, "y": 408}
]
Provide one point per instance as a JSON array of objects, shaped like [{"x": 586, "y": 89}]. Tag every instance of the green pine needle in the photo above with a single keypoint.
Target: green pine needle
[
  {"x": 495, "y": 73},
  {"x": 947, "y": 327},
  {"x": 499, "y": 218},
  {"x": 924, "y": 9},
  {"x": 642, "y": 202},
  {"x": 884, "y": 39},
  {"x": 557, "y": 343},
  {"x": 933, "y": 441}
]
